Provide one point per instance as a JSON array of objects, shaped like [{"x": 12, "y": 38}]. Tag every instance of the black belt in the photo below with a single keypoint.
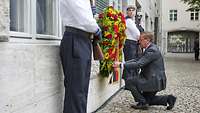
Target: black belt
[
  {"x": 131, "y": 41},
  {"x": 78, "y": 31}
]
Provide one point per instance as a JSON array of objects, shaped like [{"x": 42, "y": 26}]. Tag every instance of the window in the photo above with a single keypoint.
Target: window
[
  {"x": 173, "y": 15},
  {"x": 45, "y": 17},
  {"x": 194, "y": 15},
  {"x": 35, "y": 18},
  {"x": 18, "y": 16}
]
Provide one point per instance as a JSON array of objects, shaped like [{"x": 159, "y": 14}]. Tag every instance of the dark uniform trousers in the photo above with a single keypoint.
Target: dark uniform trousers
[
  {"x": 130, "y": 52},
  {"x": 75, "y": 52}
]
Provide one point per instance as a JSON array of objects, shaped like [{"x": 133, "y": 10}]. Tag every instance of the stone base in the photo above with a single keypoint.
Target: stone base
[{"x": 4, "y": 38}]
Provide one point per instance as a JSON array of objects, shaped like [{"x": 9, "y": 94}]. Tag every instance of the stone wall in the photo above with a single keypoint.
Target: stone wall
[
  {"x": 4, "y": 20},
  {"x": 31, "y": 80}
]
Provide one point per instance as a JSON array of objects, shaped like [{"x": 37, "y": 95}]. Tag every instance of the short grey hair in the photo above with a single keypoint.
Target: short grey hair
[{"x": 147, "y": 35}]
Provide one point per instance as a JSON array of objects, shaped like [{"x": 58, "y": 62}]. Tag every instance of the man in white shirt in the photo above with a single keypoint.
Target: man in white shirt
[
  {"x": 131, "y": 46},
  {"x": 75, "y": 52}
]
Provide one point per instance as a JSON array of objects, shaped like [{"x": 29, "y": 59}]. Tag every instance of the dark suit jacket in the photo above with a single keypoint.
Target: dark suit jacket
[{"x": 152, "y": 76}]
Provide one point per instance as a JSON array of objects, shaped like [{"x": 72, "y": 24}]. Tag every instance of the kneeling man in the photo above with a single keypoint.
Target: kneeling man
[{"x": 151, "y": 79}]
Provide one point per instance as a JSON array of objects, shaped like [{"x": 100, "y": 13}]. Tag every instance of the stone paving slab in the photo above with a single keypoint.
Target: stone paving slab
[{"x": 183, "y": 74}]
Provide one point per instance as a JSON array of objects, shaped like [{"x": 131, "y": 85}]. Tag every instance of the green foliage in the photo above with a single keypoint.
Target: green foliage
[{"x": 193, "y": 4}]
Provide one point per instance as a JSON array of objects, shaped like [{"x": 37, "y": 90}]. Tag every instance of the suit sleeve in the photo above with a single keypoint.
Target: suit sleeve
[{"x": 149, "y": 56}]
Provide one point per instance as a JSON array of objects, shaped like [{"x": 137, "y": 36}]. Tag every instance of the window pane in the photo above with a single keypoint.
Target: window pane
[
  {"x": 17, "y": 15},
  {"x": 197, "y": 14},
  {"x": 170, "y": 17},
  {"x": 175, "y": 18},
  {"x": 45, "y": 19}
]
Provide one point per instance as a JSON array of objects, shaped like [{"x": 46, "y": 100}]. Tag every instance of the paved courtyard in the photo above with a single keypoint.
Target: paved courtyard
[{"x": 183, "y": 75}]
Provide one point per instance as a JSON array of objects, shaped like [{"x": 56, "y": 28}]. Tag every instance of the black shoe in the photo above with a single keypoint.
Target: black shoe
[
  {"x": 171, "y": 100},
  {"x": 143, "y": 106}
]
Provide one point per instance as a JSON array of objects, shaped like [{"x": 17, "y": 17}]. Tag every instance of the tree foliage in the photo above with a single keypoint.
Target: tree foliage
[{"x": 193, "y": 4}]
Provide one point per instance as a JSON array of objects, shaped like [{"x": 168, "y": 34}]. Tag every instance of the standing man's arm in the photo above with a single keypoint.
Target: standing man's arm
[{"x": 80, "y": 15}]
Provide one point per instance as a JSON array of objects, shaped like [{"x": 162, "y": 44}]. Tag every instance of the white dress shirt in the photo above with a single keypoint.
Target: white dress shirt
[
  {"x": 132, "y": 31},
  {"x": 78, "y": 14}
]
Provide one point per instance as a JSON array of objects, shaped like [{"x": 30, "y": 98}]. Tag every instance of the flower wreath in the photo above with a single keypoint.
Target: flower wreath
[{"x": 112, "y": 24}]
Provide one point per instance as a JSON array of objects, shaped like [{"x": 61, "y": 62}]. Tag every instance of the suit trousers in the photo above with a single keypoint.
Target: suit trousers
[
  {"x": 146, "y": 97},
  {"x": 75, "y": 52},
  {"x": 152, "y": 99}
]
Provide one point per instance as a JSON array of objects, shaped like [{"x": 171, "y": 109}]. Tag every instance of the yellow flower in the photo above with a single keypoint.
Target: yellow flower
[
  {"x": 113, "y": 42},
  {"x": 106, "y": 56}
]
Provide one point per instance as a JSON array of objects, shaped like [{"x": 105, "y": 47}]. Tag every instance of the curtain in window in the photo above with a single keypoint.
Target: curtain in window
[
  {"x": 44, "y": 15},
  {"x": 17, "y": 15}
]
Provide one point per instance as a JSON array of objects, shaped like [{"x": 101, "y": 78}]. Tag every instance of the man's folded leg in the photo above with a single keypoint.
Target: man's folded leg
[{"x": 142, "y": 104}]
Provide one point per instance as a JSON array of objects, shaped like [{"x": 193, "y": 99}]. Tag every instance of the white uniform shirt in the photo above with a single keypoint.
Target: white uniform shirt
[
  {"x": 78, "y": 14},
  {"x": 132, "y": 31}
]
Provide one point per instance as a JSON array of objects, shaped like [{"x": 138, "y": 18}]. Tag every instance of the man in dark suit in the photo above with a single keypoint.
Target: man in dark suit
[{"x": 151, "y": 79}]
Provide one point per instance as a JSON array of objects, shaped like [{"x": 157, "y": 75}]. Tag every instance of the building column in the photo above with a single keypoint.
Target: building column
[
  {"x": 4, "y": 20},
  {"x": 164, "y": 44},
  {"x": 199, "y": 39}
]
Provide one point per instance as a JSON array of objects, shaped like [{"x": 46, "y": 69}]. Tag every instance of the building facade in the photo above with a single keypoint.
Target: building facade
[
  {"x": 31, "y": 77},
  {"x": 179, "y": 27}
]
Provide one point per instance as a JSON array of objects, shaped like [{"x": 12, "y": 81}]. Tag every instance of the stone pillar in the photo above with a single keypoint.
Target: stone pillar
[
  {"x": 4, "y": 20},
  {"x": 199, "y": 38}
]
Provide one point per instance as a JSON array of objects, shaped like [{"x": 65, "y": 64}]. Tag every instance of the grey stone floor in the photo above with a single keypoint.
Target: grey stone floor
[{"x": 183, "y": 75}]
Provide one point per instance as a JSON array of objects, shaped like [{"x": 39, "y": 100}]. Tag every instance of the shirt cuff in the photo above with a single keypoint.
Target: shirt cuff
[{"x": 122, "y": 65}]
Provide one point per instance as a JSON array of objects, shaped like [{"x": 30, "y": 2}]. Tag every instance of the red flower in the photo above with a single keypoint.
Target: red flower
[
  {"x": 110, "y": 51},
  {"x": 116, "y": 29},
  {"x": 115, "y": 17},
  {"x": 101, "y": 15},
  {"x": 113, "y": 56},
  {"x": 120, "y": 45},
  {"x": 109, "y": 15},
  {"x": 109, "y": 36},
  {"x": 123, "y": 19},
  {"x": 120, "y": 14},
  {"x": 106, "y": 28}
]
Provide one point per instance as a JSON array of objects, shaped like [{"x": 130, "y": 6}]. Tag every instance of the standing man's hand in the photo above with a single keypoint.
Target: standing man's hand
[{"x": 98, "y": 35}]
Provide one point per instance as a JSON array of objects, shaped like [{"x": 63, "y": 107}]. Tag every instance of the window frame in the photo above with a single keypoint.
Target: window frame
[
  {"x": 31, "y": 30},
  {"x": 194, "y": 15},
  {"x": 173, "y": 15}
]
